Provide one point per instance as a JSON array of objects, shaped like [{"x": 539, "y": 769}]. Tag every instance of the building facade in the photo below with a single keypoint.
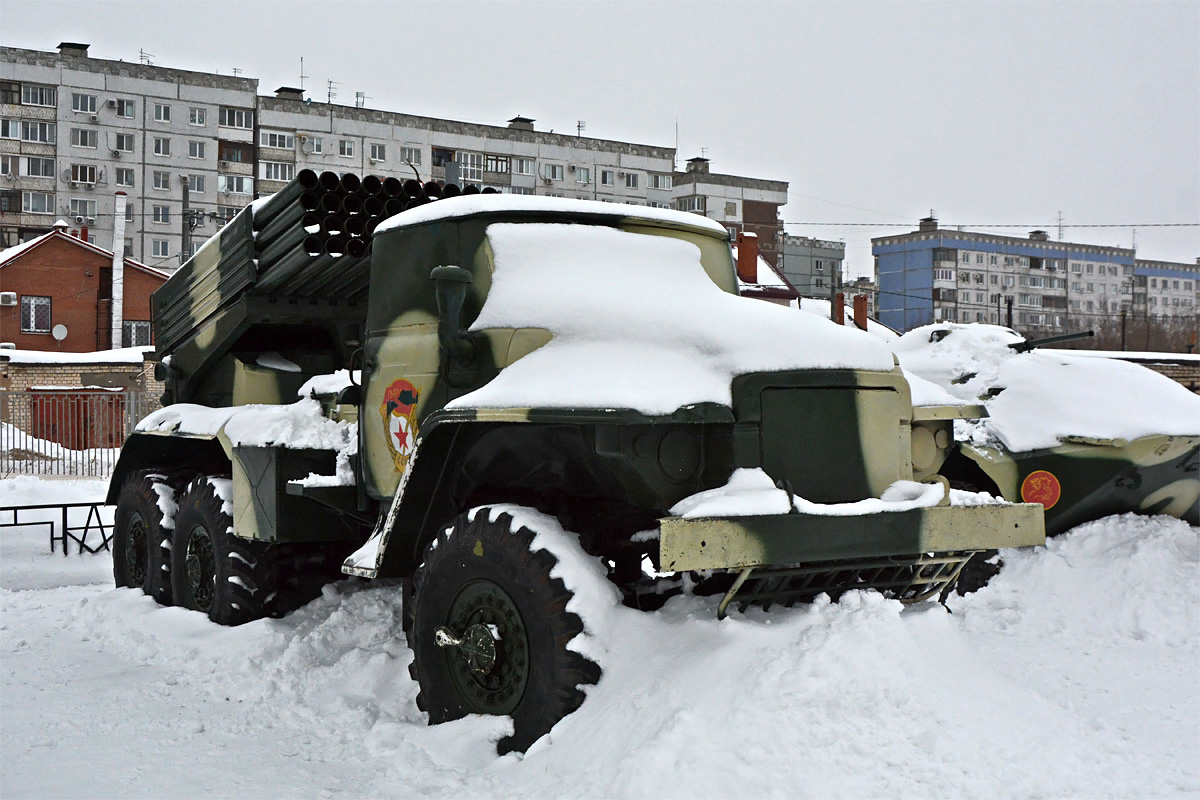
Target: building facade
[
  {"x": 813, "y": 266},
  {"x": 190, "y": 149},
  {"x": 1040, "y": 287}
]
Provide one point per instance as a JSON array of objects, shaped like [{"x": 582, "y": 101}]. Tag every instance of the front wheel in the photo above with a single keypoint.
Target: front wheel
[
  {"x": 142, "y": 537},
  {"x": 231, "y": 580},
  {"x": 490, "y": 629}
]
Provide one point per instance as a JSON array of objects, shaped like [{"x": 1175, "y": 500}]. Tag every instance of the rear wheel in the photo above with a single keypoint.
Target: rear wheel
[
  {"x": 141, "y": 543},
  {"x": 490, "y": 629},
  {"x": 231, "y": 580}
]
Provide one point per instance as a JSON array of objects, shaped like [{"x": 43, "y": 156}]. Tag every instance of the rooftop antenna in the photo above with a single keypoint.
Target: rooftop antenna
[
  {"x": 360, "y": 99},
  {"x": 704, "y": 152},
  {"x": 579, "y": 127},
  {"x": 145, "y": 57},
  {"x": 302, "y": 75},
  {"x": 331, "y": 92},
  {"x": 675, "y": 155},
  {"x": 236, "y": 72},
  {"x": 1060, "y": 226}
]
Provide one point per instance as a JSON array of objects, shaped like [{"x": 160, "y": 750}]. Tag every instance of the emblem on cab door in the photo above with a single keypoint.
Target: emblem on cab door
[{"x": 399, "y": 412}]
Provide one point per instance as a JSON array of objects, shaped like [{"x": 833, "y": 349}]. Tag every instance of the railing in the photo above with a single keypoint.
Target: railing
[
  {"x": 63, "y": 431},
  {"x": 61, "y": 530}
]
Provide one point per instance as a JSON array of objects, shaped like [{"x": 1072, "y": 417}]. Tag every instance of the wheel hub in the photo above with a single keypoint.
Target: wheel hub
[
  {"x": 200, "y": 568},
  {"x": 489, "y": 663},
  {"x": 135, "y": 550}
]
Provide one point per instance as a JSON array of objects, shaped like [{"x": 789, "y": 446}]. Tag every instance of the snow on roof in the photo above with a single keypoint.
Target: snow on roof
[
  {"x": 9, "y": 255},
  {"x": 638, "y": 324},
  {"x": 821, "y": 307},
  {"x": 767, "y": 276},
  {"x": 1045, "y": 395},
  {"x": 465, "y": 205},
  {"x": 124, "y": 355}
]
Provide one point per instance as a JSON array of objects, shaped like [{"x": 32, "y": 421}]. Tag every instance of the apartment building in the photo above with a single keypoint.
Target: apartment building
[
  {"x": 813, "y": 266},
  {"x": 1044, "y": 287},
  {"x": 190, "y": 149}
]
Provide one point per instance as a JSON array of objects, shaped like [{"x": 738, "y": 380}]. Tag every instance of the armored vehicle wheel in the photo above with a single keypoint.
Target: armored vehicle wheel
[
  {"x": 230, "y": 579},
  {"x": 140, "y": 543},
  {"x": 490, "y": 630}
]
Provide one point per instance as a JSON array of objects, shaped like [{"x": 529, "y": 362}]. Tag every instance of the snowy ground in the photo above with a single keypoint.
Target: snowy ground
[{"x": 1075, "y": 674}]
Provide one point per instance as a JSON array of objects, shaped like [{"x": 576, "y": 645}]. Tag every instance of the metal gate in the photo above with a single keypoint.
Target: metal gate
[{"x": 67, "y": 431}]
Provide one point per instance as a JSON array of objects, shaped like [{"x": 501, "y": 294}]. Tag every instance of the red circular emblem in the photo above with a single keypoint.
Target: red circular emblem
[{"x": 1041, "y": 487}]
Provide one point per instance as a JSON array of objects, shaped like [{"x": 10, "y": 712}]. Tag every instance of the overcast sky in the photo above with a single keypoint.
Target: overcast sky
[{"x": 986, "y": 113}]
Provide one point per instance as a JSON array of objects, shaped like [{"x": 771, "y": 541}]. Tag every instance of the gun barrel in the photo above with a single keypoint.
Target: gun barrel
[{"x": 1026, "y": 346}]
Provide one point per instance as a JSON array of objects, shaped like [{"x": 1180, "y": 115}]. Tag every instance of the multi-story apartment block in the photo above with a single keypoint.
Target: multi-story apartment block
[
  {"x": 190, "y": 149},
  {"x": 76, "y": 130},
  {"x": 812, "y": 266},
  {"x": 741, "y": 204},
  {"x": 1165, "y": 290}
]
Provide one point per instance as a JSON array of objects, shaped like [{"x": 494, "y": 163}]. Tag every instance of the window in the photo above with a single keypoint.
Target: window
[
  {"x": 470, "y": 166},
  {"x": 10, "y": 92},
  {"x": 196, "y": 116},
  {"x": 10, "y": 129},
  {"x": 943, "y": 274},
  {"x": 129, "y": 218},
  {"x": 554, "y": 172},
  {"x": 345, "y": 148},
  {"x": 441, "y": 156},
  {"x": 83, "y": 173},
  {"x": 39, "y": 132},
  {"x": 276, "y": 171},
  {"x": 410, "y": 155},
  {"x": 378, "y": 151},
  {"x": 195, "y": 149},
  {"x": 318, "y": 144},
  {"x": 33, "y": 95},
  {"x": 583, "y": 175},
  {"x": 135, "y": 333},
  {"x": 235, "y": 184},
  {"x": 993, "y": 279},
  {"x": 124, "y": 176},
  {"x": 520, "y": 190},
  {"x": 125, "y": 109},
  {"x": 128, "y": 245},
  {"x": 235, "y": 152},
  {"x": 965, "y": 277},
  {"x": 83, "y": 208},
  {"x": 37, "y": 202},
  {"x": 523, "y": 166},
  {"x": 196, "y": 184},
  {"x": 160, "y": 248},
  {"x": 631, "y": 180},
  {"x": 660, "y": 181},
  {"x": 495, "y": 163},
  {"x": 1154, "y": 283},
  {"x": 279, "y": 139},
  {"x": 226, "y": 213},
  {"x": 124, "y": 142},
  {"x": 979, "y": 258},
  {"x": 162, "y": 113},
  {"x": 35, "y": 314},
  {"x": 235, "y": 118},
  {"x": 1076, "y": 286},
  {"x": 83, "y": 102},
  {"x": 8, "y": 165},
  {"x": 162, "y": 214},
  {"x": 162, "y": 146},
  {"x": 966, "y": 258},
  {"x": 1089, "y": 268},
  {"x": 10, "y": 202},
  {"x": 162, "y": 180},
  {"x": 84, "y": 137},
  {"x": 39, "y": 167},
  {"x": 689, "y": 203}
]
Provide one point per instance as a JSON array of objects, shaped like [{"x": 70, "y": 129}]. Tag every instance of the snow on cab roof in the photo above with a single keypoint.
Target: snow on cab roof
[{"x": 465, "y": 205}]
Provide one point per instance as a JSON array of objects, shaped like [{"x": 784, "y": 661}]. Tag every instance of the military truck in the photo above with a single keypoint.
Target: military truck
[{"x": 591, "y": 361}]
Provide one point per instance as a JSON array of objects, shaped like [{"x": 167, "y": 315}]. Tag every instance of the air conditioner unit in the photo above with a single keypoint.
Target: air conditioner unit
[
  {"x": 620, "y": 174},
  {"x": 547, "y": 179},
  {"x": 112, "y": 103},
  {"x": 91, "y": 220},
  {"x": 116, "y": 153},
  {"x": 302, "y": 137},
  {"x": 79, "y": 220},
  {"x": 570, "y": 168},
  {"x": 8, "y": 298},
  {"x": 74, "y": 184}
]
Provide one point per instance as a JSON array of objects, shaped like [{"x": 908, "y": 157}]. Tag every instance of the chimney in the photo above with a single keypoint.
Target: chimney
[
  {"x": 839, "y": 308},
  {"x": 928, "y": 224},
  {"x": 83, "y": 236},
  {"x": 118, "y": 271},
  {"x": 289, "y": 93},
  {"x": 747, "y": 257},
  {"x": 73, "y": 49},
  {"x": 521, "y": 123},
  {"x": 1039, "y": 236},
  {"x": 698, "y": 165},
  {"x": 860, "y": 311}
]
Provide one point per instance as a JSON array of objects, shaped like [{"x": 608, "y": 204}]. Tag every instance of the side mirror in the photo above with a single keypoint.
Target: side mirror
[{"x": 458, "y": 346}]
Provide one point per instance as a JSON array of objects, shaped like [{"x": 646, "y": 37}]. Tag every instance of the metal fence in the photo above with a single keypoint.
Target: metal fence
[{"x": 62, "y": 431}]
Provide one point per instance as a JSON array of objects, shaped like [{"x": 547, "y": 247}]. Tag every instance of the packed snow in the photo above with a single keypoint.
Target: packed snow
[
  {"x": 1039, "y": 398},
  {"x": 603, "y": 352},
  {"x": 1072, "y": 675},
  {"x": 121, "y": 355}
]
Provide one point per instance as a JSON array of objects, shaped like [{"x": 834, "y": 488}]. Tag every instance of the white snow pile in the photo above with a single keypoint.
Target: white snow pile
[
  {"x": 298, "y": 425},
  {"x": 822, "y": 308},
  {"x": 1045, "y": 395},
  {"x": 121, "y": 355},
  {"x": 1072, "y": 675},
  {"x": 751, "y": 492},
  {"x": 331, "y": 383},
  {"x": 638, "y": 324}
]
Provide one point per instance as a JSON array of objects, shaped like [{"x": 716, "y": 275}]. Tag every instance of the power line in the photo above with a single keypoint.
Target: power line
[{"x": 953, "y": 228}]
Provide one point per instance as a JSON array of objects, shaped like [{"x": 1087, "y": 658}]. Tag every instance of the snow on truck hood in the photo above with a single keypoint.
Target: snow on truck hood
[
  {"x": 638, "y": 324},
  {"x": 1046, "y": 395}
]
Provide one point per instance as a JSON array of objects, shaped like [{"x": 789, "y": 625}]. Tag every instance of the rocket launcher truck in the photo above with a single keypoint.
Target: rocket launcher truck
[{"x": 590, "y": 361}]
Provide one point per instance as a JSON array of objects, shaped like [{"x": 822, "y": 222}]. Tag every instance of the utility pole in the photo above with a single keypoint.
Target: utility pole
[
  {"x": 185, "y": 252},
  {"x": 1009, "y": 301},
  {"x": 1123, "y": 314}
]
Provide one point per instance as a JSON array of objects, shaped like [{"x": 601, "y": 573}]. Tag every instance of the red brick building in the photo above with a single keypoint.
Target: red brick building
[{"x": 60, "y": 279}]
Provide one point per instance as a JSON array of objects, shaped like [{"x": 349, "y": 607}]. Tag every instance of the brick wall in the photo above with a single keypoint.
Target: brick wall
[{"x": 139, "y": 377}]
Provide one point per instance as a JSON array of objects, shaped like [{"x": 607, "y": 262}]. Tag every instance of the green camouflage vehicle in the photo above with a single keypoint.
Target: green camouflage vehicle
[{"x": 587, "y": 360}]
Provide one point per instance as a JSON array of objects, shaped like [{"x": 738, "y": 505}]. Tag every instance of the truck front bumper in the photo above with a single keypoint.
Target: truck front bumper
[{"x": 733, "y": 543}]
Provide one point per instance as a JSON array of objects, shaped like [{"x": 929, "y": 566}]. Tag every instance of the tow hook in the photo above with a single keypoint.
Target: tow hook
[{"x": 477, "y": 646}]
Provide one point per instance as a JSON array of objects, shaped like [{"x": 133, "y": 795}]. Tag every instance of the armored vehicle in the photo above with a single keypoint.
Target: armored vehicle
[{"x": 587, "y": 360}]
